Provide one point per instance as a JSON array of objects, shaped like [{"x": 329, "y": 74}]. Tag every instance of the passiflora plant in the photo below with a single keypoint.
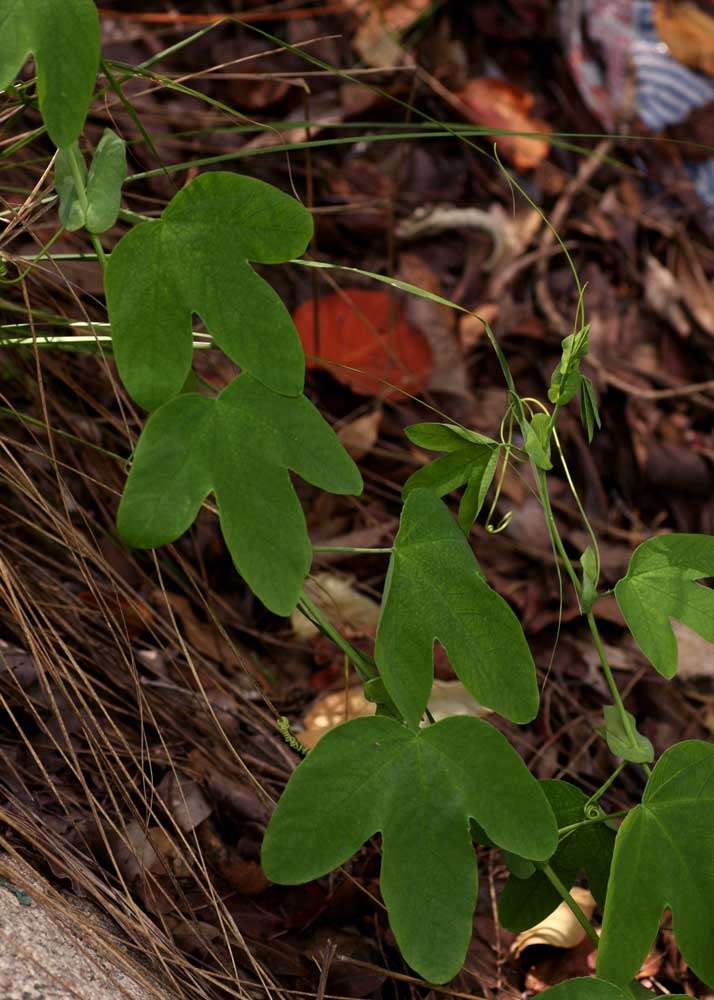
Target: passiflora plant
[{"x": 433, "y": 791}]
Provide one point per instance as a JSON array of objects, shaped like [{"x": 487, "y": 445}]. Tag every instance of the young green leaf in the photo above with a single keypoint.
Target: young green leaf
[
  {"x": 660, "y": 585},
  {"x": 526, "y": 901},
  {"x": 102, "y": 187},
  {"x": 537, "y": 444},
  {"x": 664, "y": 857},
  {"x": 588, "y": 561},
  {"x": 565, "y": 380},
  {"x": 435, "y": 591},
  {"x": 106, "y": 176},
  {"x": 470, "y": 458},
  {"x": 240, "y": 447},
  {"x": 476, "y": 489},
  {"x": 71, "y": 213},
  {"x": 418, "y": 789},
  {"x": 63, "y": 36},
  {"x": 445, "y": 437},
  {"x": 452, "y": 470},
  {"x": 618, "y": 739},
  {"x": 195, "y": 259},
  {"x": 589, "y": 412}
]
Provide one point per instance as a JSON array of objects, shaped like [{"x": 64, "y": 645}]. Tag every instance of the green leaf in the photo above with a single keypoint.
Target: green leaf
[
  {"x": 444, "y": 437},
  {"x": 618, "y": 739},
  {"x": 418, "y": 790},
  {"x": 664, "y": 857},
  {"x": 526, "y": 901},
  {"x": 660, "y": 585},
  {"x": 588, "y": 561},
  {"x": 64, "y": 38},
  {"x": 106, "y": 176},
  {"x": 589, "y": 412},
  {"x": 475, "y": 493},
  {"x": 102, "y": 188},
  {"x": 566, "y": 379},
  {"x": 71, "y": 213},
  {"x": 195, "y": 259},
  {"x": 240, "y": 447},
  {"x": 537, "y": 443},
  {"x": 520, "y": 867},
  {"x": 435, "y": 591},
  {"x": 585, "y": 989},
  {"x": 452, "y": 470}
]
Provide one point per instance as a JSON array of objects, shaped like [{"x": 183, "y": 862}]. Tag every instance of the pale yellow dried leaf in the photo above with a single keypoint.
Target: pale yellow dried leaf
[
  {"x": 560, "y": 929},
  {"x": 332, "y": 709}
]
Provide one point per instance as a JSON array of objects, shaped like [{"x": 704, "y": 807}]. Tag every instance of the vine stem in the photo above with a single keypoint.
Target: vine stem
[
  {"x": 564, "y": 831},
  {"x": 314, "y": 613},
  {"x": 554, "y": 533},
  {"x": 577, "y": 911},
  {"x": 611, "y": 683},
  {"x": 597, "y": 795}
]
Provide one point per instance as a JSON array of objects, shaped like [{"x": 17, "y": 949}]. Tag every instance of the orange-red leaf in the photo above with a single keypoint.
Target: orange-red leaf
[
  {"x": 365, "y": 341},
  {"x": 499, "y": 104}
]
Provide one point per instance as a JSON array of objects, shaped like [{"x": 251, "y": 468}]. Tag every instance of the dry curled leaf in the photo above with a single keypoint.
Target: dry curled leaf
[
  {"x": 688, "y": 33},
  {"x": 365, "y": 342},
  {"x": 663, "y": 295},
  {"x": 560, "y": 928},
  {"x": 501, "y": 105},
  {"x": 360, "y": 435}
]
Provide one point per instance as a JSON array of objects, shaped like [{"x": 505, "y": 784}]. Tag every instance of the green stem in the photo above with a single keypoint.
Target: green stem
[
  {"x": 609, "y": 677},
  {"x": 315, "y": 614},
  {"x": 553, "y": 529},
  {"x": 349, "y": 548},
  {"x": 596, "y": 796},
  {"x": 564, "y": 831},
  {"x": 564, "y": 894}
]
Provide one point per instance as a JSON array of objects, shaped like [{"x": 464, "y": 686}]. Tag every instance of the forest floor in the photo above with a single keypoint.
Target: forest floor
[{"x": 139, "y": 692}]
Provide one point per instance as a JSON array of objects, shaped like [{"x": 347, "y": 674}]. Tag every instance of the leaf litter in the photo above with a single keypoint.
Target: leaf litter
[{"x": 139, "y": 695}]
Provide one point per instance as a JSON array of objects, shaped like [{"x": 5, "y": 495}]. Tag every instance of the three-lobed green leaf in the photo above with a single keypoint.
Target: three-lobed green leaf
[
  {"x": 664, "y": 857},
  {"x": 240, "y": 447},
  {"x": 418, "y": 790},
  {"x": 195, "y": 259},
  {"x": 528, "y": 896},
  {"x": 64, "y": 38},
  {"x": 660, "y": 585},
  {"x": 435, "y": 591},
  {"x": 588, "y": 989}
]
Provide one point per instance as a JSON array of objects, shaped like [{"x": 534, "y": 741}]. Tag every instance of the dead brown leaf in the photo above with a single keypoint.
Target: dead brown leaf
[{"x": 380, "y": 24}]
